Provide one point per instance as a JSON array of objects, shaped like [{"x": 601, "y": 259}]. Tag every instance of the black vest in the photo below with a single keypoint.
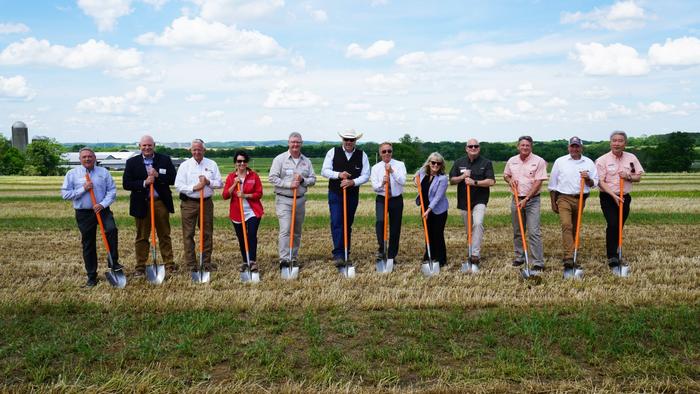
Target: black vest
[{"x": 352, "y": 166}]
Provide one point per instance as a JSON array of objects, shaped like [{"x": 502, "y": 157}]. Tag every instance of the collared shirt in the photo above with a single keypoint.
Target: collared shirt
[
  {"x": 285, "y": 167},
  {"x": 327, "y": 169},
  {"x": 481, "y": 168},
  {"x": 397, "y": 178},
  {"x": 188, "y": 176},
  {"x": 148, "y": 163},
  {"x": 102, "y": 184},
  {"x": 566, "y": 175},
  {"x": 609, "y": 165},
  {"x": 526, "y": 172}
]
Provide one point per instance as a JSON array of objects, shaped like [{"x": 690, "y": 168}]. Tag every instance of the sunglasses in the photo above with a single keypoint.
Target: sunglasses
[
  {"x": 241, "y": 161},
  {"x": 435, "y": 163},
  {"x": 349, "y": 139},
  {"x": 472, "y": 146},
  {"x": 387, "y": 151}
]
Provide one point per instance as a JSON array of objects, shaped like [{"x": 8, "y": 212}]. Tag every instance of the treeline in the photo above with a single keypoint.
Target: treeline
[{"x": 42, "y": 157}]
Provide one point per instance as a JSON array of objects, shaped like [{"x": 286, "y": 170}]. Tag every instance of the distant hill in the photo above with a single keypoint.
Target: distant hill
[{"x": 212, "y": 144}]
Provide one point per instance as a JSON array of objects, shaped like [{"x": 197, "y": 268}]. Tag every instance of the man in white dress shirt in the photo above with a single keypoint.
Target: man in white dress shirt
[{"x": 396, "y": 179}]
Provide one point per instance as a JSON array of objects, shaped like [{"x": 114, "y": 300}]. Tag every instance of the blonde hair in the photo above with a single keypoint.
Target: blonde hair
[{"x": 435, "y": 156}]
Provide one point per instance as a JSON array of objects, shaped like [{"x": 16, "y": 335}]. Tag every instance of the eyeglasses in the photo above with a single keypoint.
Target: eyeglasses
[
  {"x": 241, "y": 161},
  {"x": 435, "y": 163},
  {"x": 387, "y": 151},
  {"x": 349, "y": 139},
  {"x": 472, "y": 146}
]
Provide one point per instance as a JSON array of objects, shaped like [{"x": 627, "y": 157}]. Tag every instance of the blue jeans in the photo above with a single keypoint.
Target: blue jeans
[{"x": 335, "y": 204}]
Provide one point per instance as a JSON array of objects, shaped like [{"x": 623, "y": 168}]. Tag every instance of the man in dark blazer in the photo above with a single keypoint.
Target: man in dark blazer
[{"x": 140, "y": 172}]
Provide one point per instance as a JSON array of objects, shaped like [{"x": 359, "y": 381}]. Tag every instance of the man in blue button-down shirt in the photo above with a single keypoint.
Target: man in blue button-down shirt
[{"x": 77, "y": 188}]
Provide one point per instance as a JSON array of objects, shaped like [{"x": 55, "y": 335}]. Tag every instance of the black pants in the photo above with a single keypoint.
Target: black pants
[
  {"x": 87, "y": 224},
  {"x": 395, "y": 213},
  {"x": 436, "y": 233},
  {"x": 612, "y": 215},
  {"x": 252, "y": 232}
]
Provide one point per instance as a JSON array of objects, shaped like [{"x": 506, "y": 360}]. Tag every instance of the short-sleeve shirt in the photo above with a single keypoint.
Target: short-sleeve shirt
[
  {"x": 609, "y": 165},
  {"x": 481, "y": 169},
  {"x": 526, "y": 172}
]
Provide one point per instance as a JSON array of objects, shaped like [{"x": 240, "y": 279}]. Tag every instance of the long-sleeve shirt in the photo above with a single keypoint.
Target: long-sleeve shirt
[
  {"x": 102, "y": 184},
  {"x": 188, "y": 176},
  {"x": 566, "y": 175},
  {"x": 397, "y": 178},
  {"x": 327, "y": 169},
  {"x": 285, "y": 167}
]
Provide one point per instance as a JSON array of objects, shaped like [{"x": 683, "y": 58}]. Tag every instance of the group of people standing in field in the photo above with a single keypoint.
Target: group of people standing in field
[{"x": 150, "y": 175}]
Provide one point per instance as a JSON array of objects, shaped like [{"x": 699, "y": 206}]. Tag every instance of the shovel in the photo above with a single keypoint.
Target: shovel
[
  {"x": 429, "y": 268},
  {"x": 155, "y": 273},
  {"x": 386, "y": 265},
  {"x": 201, "y": 276},
  {"x": 526, "y": 273},
  {"x": 291, "y": 272},
  {"x": 347, "y": 270},
  {"x": 621, "y": 269},
  {"x": 247, "y": 275},
  {"x": 468, "y": 266},
  {"x": 576, "y": 272},
  {"x": 115, "y": 278}
]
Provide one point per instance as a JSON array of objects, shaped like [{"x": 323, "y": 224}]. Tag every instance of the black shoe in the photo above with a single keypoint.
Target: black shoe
[
  {"x": 116, "y": 267},
  {"x": 139, "y": 274},
  {"x": 475, "y": 260},
  {"x": 568, "y": 263},
  {"x": 284, "y": 263},
  {"x": 538, "y": 268},
  {"x": 339, "y": 262},
  {"x": 253, "y": 266},
  {"x": 91, "y": 282},
  {"x": 613, "y": 262},
  {"x": 296, "y": 263},
  {"x": 518, "y": 262},
  {"x": 171, "y": 268}
]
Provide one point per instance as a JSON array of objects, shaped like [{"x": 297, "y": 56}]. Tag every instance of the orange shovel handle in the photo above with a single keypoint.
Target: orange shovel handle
[
  {"x": 345, "y": 219},
  {"x": 153, "y": 218},
  {"x": 245, "y": 231},
  {"x": 469, "y": 215},
  {"x": 580, "y": 212},
  {"x": 386, "y": 207},
  {"x": 620, "y": 206},
  {"x": 422, "y": 210},
  {"x": 520, "y": 218},
  {"x": 99, "y": 217},
  {"x": 201, "y": 221},
  {"x": 291, "y": 226}
]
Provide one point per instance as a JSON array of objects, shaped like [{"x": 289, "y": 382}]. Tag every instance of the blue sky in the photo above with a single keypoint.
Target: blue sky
[{"x": 220, "y": 70}]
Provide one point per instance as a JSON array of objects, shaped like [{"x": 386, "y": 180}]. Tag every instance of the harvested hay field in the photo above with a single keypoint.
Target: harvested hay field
[{"x": 489, "y": 332}]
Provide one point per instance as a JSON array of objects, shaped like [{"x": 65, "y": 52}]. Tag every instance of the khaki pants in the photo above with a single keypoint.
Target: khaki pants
[
  {"x": 283, "y": 207},
  {"x": 142, "y": 243},
  {"x": 478, "y": 213},
  {"x": 190, "y": 220},
  {"x": 568, "y": 210}
]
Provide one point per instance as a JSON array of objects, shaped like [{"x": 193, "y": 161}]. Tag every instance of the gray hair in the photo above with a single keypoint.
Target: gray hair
[
  {"x": 618, "y": 132},
  {"x": 526, "y": 138},
  {"x": 198, "y": 141},
  {"x": 294, "y": 134},
  {"x": 85, "y": 148}
]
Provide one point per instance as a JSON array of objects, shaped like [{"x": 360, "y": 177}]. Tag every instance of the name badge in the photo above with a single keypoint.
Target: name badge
[{"x": 161, "y": 170}]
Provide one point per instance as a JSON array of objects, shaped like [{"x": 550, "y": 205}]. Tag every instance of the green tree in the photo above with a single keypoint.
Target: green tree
[
  {"x": 11, "y": 159},
  {"x": 408, "y": 150},
  {"x": 676, "y": 154},
  {"x": 44, "y": 156}
]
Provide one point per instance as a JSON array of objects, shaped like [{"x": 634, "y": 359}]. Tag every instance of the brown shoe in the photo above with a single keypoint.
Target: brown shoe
[
  {"x": 253, "y": 266},
  {"x": 243, "y": 267},
  {"x": 171, "y": 268}
]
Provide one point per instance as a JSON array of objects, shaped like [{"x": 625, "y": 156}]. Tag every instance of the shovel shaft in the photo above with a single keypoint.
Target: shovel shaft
[
  {"x": 291, "y": 226},
  {"x": 243, "y": 223},
  {"x": 469, "y": 219},
  {"x": 520, "y": 219},
  {"x": 387, "y": 192},
  {"x": 578, "y": 217},
  {"x": 619, "y": 221},
  {"x": 345, "y": 222},
  {"x": 201, "y": 222},
  {"x": 422, "y": 215},
  {"x": 99, "y": 219}
]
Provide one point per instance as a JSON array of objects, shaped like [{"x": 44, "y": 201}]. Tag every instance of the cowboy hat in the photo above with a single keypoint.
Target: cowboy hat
[{"x": 350, "y": 134}]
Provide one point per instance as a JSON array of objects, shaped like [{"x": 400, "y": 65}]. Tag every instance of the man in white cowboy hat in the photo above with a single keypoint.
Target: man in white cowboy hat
[{"x": 346, "y": 168}]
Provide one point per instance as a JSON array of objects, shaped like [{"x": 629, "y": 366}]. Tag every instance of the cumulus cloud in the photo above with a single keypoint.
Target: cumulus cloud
[
  {"x": 556, "y": 102},
  {"x": 264, "y": 120},
  {"x": 623, "y": 15},
  {"x": 284, "y": 96},
  {"x": 620, "y": 109},
  {"x": 443, "y": 113},
  {"x": 485, "y": 95},
  {"x": 614, "y": 59},
  {"x": 298, "y": 61},
  {"x": 105, "y": 12},
  {"x": 257, "y": 71},
  {"x": 318, "y": 15},
  {"x": 379, "y": 48},
  {"x": 91, "y": 54},
  {"x": 382, "y": 116},
  {"x": 524, "y": 106},
  {"x": 684, "y": 51},
  {"x": 381, "y": 83},
  {"x": 597, "y": 92},
  {"x": 193, "y": 98},
  {"x": 656, "y": 107},
  {"x": 528, "y": 90},
  {"x": 15, "y": 88},
  {"x": 444, "y": 59},
  {"x": 185, "y": 32},
  {"x": 357, "y": 107},
  {"x": 231, "y": 11},
  {"x": 13, "y": 28},
  {"x": 128, "y": 104}
]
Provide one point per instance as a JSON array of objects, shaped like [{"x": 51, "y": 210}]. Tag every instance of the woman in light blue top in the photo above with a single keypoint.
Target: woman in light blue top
[{"x": 433, "y": 183}]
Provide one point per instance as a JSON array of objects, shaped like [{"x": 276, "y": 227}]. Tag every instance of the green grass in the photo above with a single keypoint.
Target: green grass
[{"x": 86, "y": 344}]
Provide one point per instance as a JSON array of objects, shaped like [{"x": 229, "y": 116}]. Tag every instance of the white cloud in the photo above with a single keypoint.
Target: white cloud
[
  {"x": 13, "y": 28},
  {"x": 264, "y": 120},
  {"x": 596, "y": 116},
  {"x": 285, "y": 97},
  {"x": 382, "y": 116},
  {"x": 683, "y": 51},
  {"x": 656, "y": 107},
  {"x": 357, "y": 107},
  {"x": 623, "y": 15},
  {"x": 230, "y": 11},
  {"x": 129, "y": 103},
  {"x": 91, "y": 54},
  {"x": 444, "y": 59},
  {"x": 215, "y": 118},
  {"x": 298, "y": 61},
  {"x": 257, "y": 71},
  {"x": 105, "y": 12},
  {"x": 556, "y": 102},
  {"x": 413, "y": 59},
  {"x": 381, "y": 83},
  {"x": 15, "y": 88},
  {"x": 157, "y": 4},
  {"x": 597, "y": 92},
  {"x": 443, "y": 113},
  {"x": 524, "y": 106},
  {"x": 193, "y": 98},
  {"x": 528, "y": 90},
  {"x": 620, "y": 109},
  {"x": 614, "y": 59},
  {"x": 317, "y": 14},
  {"x": 485, "y": 95},
  {"x": 184, "y": 32},
  {"x": 379, "y": 48}
]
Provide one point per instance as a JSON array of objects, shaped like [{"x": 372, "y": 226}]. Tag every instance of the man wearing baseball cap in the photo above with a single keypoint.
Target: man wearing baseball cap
[
  {"x": 564, "y": 191},
  {"x": 346, "y": 167}
]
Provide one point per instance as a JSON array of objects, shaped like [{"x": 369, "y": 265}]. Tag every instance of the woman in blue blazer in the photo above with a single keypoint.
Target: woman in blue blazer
[{"x": 433, "y": 183}]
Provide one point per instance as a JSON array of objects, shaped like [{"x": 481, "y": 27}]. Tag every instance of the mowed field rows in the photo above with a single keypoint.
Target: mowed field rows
[{"x": 453, "y": 332}]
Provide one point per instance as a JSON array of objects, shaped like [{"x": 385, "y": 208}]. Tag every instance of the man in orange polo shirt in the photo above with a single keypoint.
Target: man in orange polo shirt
[{"x": 526, "y": 171}]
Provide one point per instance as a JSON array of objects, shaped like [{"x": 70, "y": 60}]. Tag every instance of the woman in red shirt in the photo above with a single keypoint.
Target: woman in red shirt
[{"x": 252, "y": 206}]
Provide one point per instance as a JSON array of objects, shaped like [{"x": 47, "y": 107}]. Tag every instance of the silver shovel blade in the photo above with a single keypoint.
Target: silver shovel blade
[
  {"x": 469, "y": 268},
  {"x": 622, "y": 271},
  {"x": 530, "y": 275},
  {"x": 347, "y": 271},
  {"x": 200, "y": 276},
  {"x": 428, "y": 268},
  {"x": 389, "y": 265},
  {"x": 116, "y": 279},
  {"x": 381, "y": 266},
  {"x": 289, "y": 273},
  {"x": 569, "y": 273},
  {"x": 155, "y": 273},
  {"x": 578, "y": 273}
]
